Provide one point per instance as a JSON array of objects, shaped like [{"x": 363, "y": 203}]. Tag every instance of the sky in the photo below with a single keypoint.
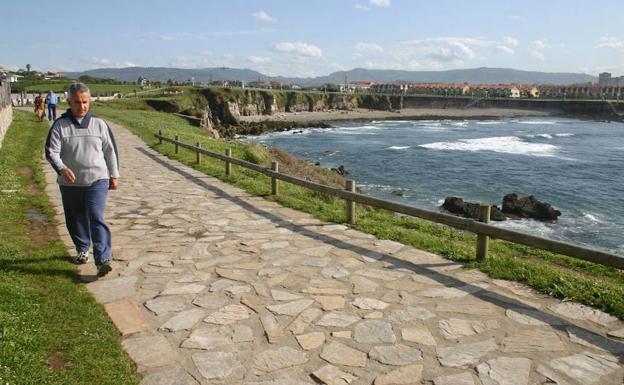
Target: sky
[{"x": 314, "y": 38}]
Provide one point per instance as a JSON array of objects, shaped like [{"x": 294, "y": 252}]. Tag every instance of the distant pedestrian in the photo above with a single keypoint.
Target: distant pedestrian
[
  {"x": 51, "y": 100},
  {"x": 81, "y": 149},
  {"x": 40, "y": 107}
]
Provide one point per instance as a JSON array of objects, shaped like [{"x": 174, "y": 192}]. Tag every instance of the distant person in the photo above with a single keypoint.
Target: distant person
[
  {"x": 51, "y": 100},
  {"x": 81, "y": 149},
  {"x": 40, "y": 107}
]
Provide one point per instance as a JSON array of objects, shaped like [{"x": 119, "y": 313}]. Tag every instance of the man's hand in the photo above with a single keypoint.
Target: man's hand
[
  {"x": 112, "y": 184},
  {"x": 68, "y": 175}
]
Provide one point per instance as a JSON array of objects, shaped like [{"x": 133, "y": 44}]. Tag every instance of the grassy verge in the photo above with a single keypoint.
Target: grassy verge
[
  {"x": 61, "y": 86},
  {"x": 556, "y": 275},
  {"x": 51, "y": 329}
]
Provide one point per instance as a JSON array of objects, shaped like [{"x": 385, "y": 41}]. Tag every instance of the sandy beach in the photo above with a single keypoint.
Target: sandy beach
[{"x": 407, "y": 113}]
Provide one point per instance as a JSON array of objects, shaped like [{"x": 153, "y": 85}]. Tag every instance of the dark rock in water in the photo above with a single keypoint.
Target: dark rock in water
[
  {"x": 340, "y": 170},
  {"x": 457, "y": 206},
  {"x": 317, "y": 163},
  {"x": 397, "y": 193},
  {"x": 529, "y": 207}
]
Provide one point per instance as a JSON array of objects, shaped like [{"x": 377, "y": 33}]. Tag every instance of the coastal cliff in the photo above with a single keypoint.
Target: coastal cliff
[{"x": 228, "y": 110}]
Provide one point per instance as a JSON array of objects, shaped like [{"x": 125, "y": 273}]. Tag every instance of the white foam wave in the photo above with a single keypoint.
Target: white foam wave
[
  {"x": 501, "y": 144},
  {"x": 536, "y": 122},
  {"x": 545, "y": 136},
  {"x": 592, "y": 218},
  {"x": 491, "y": 122},
  {"x": 564, "y": 135},
  {"x": 528, "y": 226},
  {"x": 398, "y": 147}
]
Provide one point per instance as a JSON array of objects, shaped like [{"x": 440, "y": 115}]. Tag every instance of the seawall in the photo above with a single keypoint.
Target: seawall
[{"x": 6, "y": 110}]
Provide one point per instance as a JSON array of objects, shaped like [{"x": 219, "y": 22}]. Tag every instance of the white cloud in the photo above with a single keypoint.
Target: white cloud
[
  {"x": 380, "y": 3},
  {"x": 537, "y": 55},
  {"x": 361, "y": 7},
  {"x": 504, "y": 49},
  {"x": 409, "y": 65},
  {"x": 96, "y": 62},
  {"x": 541, "y": 44},
  {"x": 9, "y": 67},
  {"x": 259, "y": 59},
  {"x": 447, "y": 49},
  {"x": 300, "y": 49},
  {"x": 509, "y": 40},
  {"x": 265, "y": 17},
  {"x": 611, "y": 42},
  {"x": 368, "y": 47},
  {"x": 100, "y": 61}
]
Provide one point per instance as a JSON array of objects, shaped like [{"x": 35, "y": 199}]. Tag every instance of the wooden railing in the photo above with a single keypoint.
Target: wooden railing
[{"x": 481, "y": 228}]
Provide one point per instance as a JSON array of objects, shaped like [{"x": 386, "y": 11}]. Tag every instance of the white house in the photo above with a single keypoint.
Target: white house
[{"x": 11, "y": 78}]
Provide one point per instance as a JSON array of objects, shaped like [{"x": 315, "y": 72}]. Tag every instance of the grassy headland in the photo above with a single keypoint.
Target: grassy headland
[
  {"x": 51, "y": 329},
  {"x": 556, "y": 275}
]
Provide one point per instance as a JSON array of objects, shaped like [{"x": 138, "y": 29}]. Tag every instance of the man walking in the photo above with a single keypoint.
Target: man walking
[
  {"x": 51, "y": 100},
  {"x": 81, "y": 149}
]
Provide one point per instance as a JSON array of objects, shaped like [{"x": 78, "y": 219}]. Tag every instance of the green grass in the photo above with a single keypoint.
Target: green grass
[
  {"x": 556, "y": 275},
  {"x": 43, "y": 310},
  {"x": 61, "y": 86}
]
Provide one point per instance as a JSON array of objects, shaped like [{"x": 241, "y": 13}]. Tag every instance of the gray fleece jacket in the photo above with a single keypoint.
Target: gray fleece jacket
[{"x": 87, "y": 148}]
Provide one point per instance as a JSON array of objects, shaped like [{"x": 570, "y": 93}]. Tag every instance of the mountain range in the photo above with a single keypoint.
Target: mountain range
[{"x": 472, "y": 75}]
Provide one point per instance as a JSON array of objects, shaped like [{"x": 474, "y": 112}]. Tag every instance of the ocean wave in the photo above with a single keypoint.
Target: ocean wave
[
  {"x": 545, "y": 136},
  {"x": 528, "y": 226},
  {"x": 379, "y": 187},
  {"x": 536, "y": 122},
  {"x": 491, "y": 122},
  {"x": 501, "y": 144},
  {"x": 564, "y": 135},
  {"x": 592, "y": 218},
  {"x": 398, "y": 147}
]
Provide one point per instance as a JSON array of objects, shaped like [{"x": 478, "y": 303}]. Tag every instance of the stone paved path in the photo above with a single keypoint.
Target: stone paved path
[{"x": 214, "y": 286}]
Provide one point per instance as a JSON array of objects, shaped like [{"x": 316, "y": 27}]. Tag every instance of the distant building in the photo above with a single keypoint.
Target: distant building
[
  {"x": 363, "y": 85},
  {"x": 606, "y": 80},
  {"x": 11, "y": 78}
]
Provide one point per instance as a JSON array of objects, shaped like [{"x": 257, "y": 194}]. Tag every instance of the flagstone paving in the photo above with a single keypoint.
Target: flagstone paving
[{"x": 212, "y": 285}]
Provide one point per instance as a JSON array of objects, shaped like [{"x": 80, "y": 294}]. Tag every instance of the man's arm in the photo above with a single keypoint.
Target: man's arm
[
  {"x": 53, "y": 154},
  {"x": 111, "y": 157}
]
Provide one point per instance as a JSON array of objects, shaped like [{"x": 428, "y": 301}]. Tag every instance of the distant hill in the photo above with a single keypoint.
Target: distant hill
[
  {"x": 472, "y": 75},
  {"x": 203, "y": 75}
]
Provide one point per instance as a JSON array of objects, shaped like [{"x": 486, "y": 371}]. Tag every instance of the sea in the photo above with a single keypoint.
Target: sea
[{"x": 576, "y": 166}]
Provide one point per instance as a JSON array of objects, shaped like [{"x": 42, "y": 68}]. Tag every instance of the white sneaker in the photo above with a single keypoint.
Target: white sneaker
[{"x": 82, "y": 257}]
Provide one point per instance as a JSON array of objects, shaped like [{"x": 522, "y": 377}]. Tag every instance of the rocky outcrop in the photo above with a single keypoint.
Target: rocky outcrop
[
  {"x": 513, "y": 208},
  {"x": 230, "y": 113},
  {"x": 529, "y": 207},
  {"x": 457, "y": 206}
]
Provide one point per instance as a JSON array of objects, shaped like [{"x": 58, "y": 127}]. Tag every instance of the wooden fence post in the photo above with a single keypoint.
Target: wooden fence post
[
  {"x": 274, "y": 181},
  {"x": 483, "y": 240},
  {"x": 197, "y": 153},
  {"x": 228, "y": 165},
  {"x": 350, "y": 205},
  {"x": 159, "y": 136},
  {"x": 176, "y": 144}
]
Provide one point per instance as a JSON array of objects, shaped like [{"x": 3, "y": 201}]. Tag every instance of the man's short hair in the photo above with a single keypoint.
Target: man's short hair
[{"x": 76, "y": 88}]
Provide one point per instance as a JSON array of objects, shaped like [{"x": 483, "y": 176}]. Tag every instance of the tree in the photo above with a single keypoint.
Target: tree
[{"x": 28, "y": 67}]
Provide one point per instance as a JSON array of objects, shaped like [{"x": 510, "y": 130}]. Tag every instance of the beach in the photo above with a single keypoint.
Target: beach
[{"x": 406, "y": 113}]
